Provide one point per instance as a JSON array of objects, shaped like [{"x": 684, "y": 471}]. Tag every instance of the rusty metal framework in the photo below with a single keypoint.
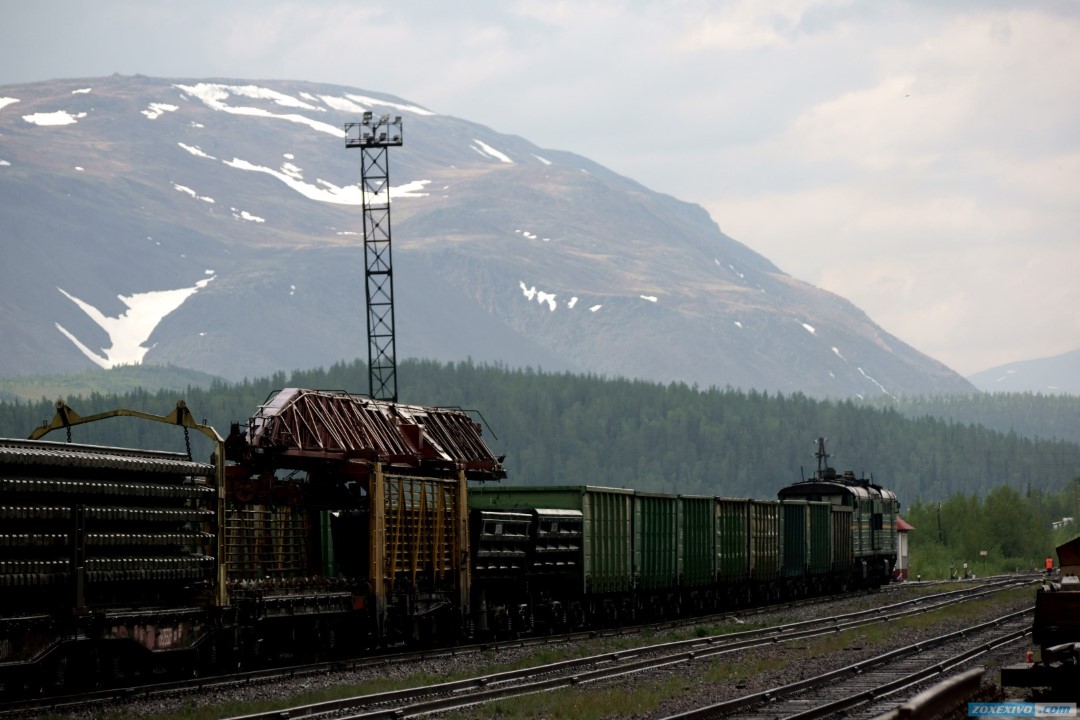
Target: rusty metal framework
[
  {"x": 340, "y": 425},
  {"x": 373, "y": 137},
  {"x": 422, "y": 543}
]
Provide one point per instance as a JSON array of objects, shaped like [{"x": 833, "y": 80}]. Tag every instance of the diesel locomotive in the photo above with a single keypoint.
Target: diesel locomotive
[{"x": 331, "y": 523}]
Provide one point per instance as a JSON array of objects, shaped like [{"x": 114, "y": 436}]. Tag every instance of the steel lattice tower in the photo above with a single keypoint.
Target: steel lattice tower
[{"x": 374, "y": 136}]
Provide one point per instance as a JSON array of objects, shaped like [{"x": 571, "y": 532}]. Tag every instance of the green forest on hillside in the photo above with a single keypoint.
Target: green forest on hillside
[
  {"x": 571, "y": 429},
  {"x": 1054, "y": 417},
  {"x": 1005, "y": 531}
]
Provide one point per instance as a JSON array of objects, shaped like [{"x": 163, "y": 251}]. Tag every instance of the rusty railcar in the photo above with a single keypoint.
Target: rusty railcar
[
  {"x": 328, "y": 522},
  {"x": 352, "y": 512}
]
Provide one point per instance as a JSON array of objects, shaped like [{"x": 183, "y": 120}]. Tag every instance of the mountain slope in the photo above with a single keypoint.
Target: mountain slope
[
  {"x": 216, "y": 225},
  {"x": 1055, "y": 375}
]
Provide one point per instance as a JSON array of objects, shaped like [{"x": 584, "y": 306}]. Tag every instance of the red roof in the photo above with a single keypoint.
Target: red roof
[{"x": 903, "y": 525}]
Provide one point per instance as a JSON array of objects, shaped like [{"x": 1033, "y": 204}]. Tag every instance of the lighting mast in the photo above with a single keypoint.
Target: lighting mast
[{"x": 373, "y": 136}]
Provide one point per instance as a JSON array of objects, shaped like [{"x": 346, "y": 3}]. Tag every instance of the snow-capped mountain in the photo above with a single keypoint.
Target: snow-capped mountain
[{"x": 217, "y": 225}]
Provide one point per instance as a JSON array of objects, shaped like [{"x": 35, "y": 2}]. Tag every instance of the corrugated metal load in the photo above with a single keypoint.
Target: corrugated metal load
[
  {"x": 86, "y": 527},
  {"x": 56, "y": 456}
]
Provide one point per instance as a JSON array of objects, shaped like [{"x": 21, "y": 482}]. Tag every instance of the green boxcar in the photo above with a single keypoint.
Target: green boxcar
[
  {"x": 765, "y": 550},
  {"x": 795, "y": 531},
  {"x": 607, "y": 523},
  {"x": 657, "y": 541},
  {"x": 732, "y": 548},
  {"x": 820, "y": 558},
  {"x": 699, "y": 535}
]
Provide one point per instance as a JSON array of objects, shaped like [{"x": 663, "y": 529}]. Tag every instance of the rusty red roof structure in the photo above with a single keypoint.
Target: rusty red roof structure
[{"x": 322, "y": 424}]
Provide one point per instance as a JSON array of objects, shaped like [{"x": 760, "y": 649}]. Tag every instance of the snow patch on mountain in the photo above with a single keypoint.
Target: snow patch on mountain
[
  {"x": 366, "y": 100},
  {"x": 342, "y": 104},
  {"x": 60, "y": 117},
  {"x": 214, "y": 95},
  {"x": 245, "y": 215},
  {"x": 487, "y": 150},
  {"x": 188, "y": 191},
  {"x": 196, "y": 151},
  {"x": 131, "y": 329},
  {"x": 156, "y": 110},
  {"x": 324, "y": 190},
  {"x": 875, "y": 382}
]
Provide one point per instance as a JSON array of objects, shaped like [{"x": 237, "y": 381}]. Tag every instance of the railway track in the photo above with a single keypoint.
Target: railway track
[
  {"x": 417, "y": 701},
  {"x": 860, "y": 684},
  {"x": 616, "y": 663}
]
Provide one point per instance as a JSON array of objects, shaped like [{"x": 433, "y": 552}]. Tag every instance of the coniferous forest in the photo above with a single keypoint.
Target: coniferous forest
[
  {"x": 979, "y": 496},
  {"x": 573, "y": 429}
]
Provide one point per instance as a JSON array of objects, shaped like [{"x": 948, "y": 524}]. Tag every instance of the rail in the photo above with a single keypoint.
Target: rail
[{"x": 942, "y": 700}]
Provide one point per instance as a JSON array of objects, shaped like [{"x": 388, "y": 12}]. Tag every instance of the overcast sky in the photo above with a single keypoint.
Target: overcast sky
[{"x": 919, "y": 158}]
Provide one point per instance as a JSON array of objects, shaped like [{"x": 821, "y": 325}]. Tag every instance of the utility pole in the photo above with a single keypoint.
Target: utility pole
[{"x": 374, "y": 136}]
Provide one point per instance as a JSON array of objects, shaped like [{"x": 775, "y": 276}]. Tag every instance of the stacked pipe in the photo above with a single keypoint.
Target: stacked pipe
[{"x": 111, "y": 526}]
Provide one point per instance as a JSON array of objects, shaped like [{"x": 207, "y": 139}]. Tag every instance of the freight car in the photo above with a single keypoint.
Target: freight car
[
  {"x": 570, "y": 556},
  {"x": 332, "y": 522},
  {"x": 339, "y": 522}
]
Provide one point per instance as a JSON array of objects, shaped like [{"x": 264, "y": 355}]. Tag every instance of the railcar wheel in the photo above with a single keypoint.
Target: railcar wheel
[
  {"x": 524, "y": 620},
  {"x": 576, "y": 616}
]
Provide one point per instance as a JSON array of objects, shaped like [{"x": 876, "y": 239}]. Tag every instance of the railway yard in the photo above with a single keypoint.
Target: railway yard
[
  {"x": 780, "y": 661},
  {"x": 349, "y": 556}
]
